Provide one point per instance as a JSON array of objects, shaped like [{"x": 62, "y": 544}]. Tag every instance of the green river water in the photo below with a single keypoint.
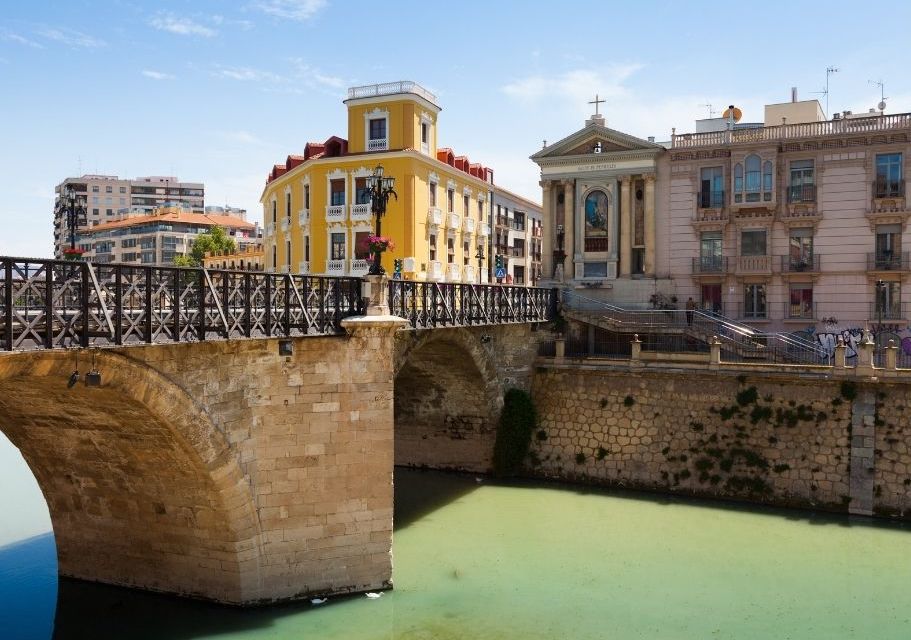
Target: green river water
[{"x": 476, "y": 560}]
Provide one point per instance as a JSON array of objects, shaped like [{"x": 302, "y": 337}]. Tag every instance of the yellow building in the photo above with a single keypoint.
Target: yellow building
[
  {"x": 317, "y": 216},
  {"x": 250, "y": 258}
]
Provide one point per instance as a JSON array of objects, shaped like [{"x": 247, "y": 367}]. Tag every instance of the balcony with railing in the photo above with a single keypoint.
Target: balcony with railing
[
  {"x": 710, "y": 199},
  {"x": 391, "y": 88},
  {"x": 469, "y": 274},
  {"x": 800, "y": 264},
  {"x": 888, "y": 261},
  {"x": 269, "y": 230},
  {"x": 435, "y": 270},
  {"x": 303, "y": 217},
  {"x": 453, "y": 220},
  {"x": 808, "y": 130},
  {"x": 286, "y": 225},
  {"x": 888, "y": 310},
  {"x": 754, "y": 265},
  {"x": 303, "y": 267},
  {"x": 359, "y": 267},
  {"x": 377, "y": 144},
  {"x": 709, "y": 265},
  {"x": 516, "y": 252},
  {"x": 468, "y": 225},
  {"x": 335, "y": 213},
  {"x": 752, "y": 312},
  {"x": 888, "y": 202},
  {"x": 434, "y": 216},
  {"x": 710, "y": 209},
  {"x": 336, "y": 267},
  {"x": 484, "y": 229},
  {"x": 801, "y": 205},
  {"x": 502, "y": 221},
  {"x": 453, "y": 272},
  {"x": 799, "y": 311},
  {"x": 360, "y": 212},
  {"x": 798, "y": 193}
]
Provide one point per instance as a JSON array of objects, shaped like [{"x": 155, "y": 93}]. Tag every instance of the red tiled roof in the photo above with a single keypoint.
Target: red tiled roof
[{"x": 186, "y": 217}]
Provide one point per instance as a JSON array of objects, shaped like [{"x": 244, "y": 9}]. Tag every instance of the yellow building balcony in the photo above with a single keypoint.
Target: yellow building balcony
[
  {"x": 303, "y": 217},
  {"x": 360, "y": 212},
  {"x": 335, "y": 267},
  {"x": 434, "y": 270},
  {"x": 335, "y": 213},
  {"x": 453, "y": 272},
  {"x": 378, "y": 144},
  {"x": 453, "y": 220},
  {"x": 469, "y": 274},
  {"x": 485, "y": 229},
  {"x": 434, "y": 216},
  {"x": 269, "y": 230},
  {"x": 286, "y": 225},
  {"x": 359, "y": 267},
  {"x": 303, "y": 267},
  {"x": 468, "y": 225}
]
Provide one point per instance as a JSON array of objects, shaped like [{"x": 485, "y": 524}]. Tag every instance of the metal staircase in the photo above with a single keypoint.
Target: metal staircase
[{"x": 738, "y": 340}]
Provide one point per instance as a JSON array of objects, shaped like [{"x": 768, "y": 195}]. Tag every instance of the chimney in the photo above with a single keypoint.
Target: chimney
[
  {"x": 793, "y": 94},
  {"x": 651, "y": 139}
]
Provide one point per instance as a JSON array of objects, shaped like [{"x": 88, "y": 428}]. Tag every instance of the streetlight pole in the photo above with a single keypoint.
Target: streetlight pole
[
  {"x": 379, "y": 189},
  {"x": 71, "y": 207},
  {"x": 480, "y": 256}
]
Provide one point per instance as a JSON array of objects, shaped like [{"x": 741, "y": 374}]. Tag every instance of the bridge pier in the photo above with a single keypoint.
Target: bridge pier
[{"x": 216, "y": 470}]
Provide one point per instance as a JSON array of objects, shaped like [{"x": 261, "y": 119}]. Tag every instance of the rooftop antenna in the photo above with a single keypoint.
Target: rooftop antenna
[
  {"x": 882, "y": 93},
  {"x": 708, "y": 105},
  {"x": 825, "y": 92}
]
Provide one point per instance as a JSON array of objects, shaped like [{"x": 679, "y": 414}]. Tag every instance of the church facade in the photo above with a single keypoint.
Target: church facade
[{"x": 603, "y": 192}]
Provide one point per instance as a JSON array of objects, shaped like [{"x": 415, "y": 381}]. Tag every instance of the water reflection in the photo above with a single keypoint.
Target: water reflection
[{"x": 28, "y": 588}]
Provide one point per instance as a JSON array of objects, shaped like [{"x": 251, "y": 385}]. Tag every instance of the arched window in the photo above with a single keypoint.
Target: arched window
[
  {"x": 753, "y": 178},
  {"x": 597, "y": 205},
  {"x": 738, "y": 182}
]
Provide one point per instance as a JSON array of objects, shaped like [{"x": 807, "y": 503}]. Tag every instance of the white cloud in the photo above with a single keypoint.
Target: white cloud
[
  {"x": 239, "y": 136},
  {"x": 577, "y": 86},
  {"x": 301, "y": 10},
  {"x": 247, "y": 74},
  {"x": 71, "y": 37},
  {"x": 313, "y": 76},
  {"x": 15, "y": 37},
  {"x": 181, "y": 26},
  {"x": 157, "y": 75}
]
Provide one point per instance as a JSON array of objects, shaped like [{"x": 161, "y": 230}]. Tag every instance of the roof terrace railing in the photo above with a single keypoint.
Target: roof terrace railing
[{"x": 391, "y": 88}]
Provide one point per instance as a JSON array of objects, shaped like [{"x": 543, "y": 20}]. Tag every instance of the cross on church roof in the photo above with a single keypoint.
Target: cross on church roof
[{"x": 596, "y": 102}]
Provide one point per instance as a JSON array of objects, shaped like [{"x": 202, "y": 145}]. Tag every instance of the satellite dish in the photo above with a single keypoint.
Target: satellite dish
[
  {"x": 882, "y": 105},
  {"x": 737, "y": 113}
]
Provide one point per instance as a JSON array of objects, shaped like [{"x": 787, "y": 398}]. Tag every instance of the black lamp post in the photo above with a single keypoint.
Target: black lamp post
[
  {"x": 480, "y": 256},
  {"x": 72, "y": 207},
  {"x": 379, "y": 189}
]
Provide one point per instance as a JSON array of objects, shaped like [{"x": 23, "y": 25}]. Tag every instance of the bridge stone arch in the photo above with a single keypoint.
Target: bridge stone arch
[
  {"x": 449, "y": 386},
  {"x": 142, "y": 488}
]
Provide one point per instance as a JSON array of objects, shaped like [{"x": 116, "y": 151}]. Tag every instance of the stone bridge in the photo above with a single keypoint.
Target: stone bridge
[{"x": 250, "y": 470}]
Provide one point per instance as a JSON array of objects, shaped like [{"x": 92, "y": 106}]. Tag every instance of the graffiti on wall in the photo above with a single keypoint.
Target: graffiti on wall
[{"x": 853, "y": 336}]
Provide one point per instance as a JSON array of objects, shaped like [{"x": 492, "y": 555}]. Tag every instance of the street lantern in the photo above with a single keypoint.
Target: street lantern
[
  {"x": 72, "y": 207},
  {"x": 480, "y": 256},
  {"x": 379, "y": 188}
]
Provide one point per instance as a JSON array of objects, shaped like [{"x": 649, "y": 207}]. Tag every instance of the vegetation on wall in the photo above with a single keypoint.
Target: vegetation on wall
[{"x": 517, "y": 423}]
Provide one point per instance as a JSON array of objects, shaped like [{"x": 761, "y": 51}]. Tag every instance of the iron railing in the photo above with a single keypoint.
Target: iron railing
[
  {"x": 888, "y": 261},
  {"x": 884, "y": 188},
  {"x": 800, "y": 264},
  {"x": 431, "y": 304},
  {"x": 710, "y": 199},
  {"x": 886, "y": 311},
  {"x": 801, "y": 193},
  {"x": 710, "y": 264},
  {"x": 49, "y": 304}
]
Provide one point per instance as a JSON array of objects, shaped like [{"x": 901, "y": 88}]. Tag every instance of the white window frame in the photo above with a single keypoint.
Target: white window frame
[{"x": 375, "y": 114}]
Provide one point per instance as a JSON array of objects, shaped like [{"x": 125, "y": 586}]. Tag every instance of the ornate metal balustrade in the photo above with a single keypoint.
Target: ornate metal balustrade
[
  {"x": 47, "y": 304},
  {"x": 431, "y": 304}
]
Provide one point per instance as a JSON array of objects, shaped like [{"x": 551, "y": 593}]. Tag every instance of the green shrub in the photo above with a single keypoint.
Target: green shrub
[
  {"x": 747, "y": 396},
  {"x": 848, "y": 390},
  {"x": 517, "y": 423}
]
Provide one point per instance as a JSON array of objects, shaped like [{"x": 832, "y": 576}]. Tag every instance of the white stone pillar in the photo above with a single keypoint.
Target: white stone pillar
[
  {"x": 569, "y": 222},
  {"x": 548, "y": 231},
  {"x": 650, "y": 225},
  {"x": 625, "y": 227}
]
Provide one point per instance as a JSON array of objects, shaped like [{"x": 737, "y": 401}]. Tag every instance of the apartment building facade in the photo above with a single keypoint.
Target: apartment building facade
[
  {"x": 157, "y": 238},
  {"x": 516, "y": 237},
  {"x": 110, "y": 198},
  {"x": 798, "y": 224},
  {"x": 317, "y": 211}
]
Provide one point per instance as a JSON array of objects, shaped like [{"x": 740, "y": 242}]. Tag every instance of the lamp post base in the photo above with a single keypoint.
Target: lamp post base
[{"x": 376, "y": 290}]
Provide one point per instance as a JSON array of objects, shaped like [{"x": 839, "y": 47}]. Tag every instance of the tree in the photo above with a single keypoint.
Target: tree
[{"x": 212, "y": 241}]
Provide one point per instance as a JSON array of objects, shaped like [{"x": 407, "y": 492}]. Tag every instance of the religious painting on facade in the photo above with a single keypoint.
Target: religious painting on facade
[{"x": 596, "y": 209}]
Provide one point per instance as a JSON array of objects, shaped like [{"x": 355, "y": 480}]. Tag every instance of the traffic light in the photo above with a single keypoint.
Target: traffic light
[
  {"x": 397, "y": 265},
  {"x": 498, "y": 262}
]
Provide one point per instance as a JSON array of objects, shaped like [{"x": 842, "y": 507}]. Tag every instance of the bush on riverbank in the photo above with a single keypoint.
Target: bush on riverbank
[{"x": 517, "y": 423}]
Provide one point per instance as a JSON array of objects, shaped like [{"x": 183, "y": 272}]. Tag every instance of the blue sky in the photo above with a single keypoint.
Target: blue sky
[{"x": 217, "y": 91}]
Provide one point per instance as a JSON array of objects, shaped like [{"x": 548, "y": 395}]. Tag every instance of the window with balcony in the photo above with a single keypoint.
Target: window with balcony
[
  {"x": 377, "y": 129},
  {"x": 307, "y": 196},
  {"x": 710, "y": 252},
  {"x": 274, "y": 212},
  {"x": 711, "y": 188},
  {"x": 433, "y": 247},
  {"x": 361, "y": 252},
  {"x": 465, "y": 204},
  {"x": 337, "y": 246},
  {"x": 753, "y": 242},
  {"x": 450, "y": 250},
  {"x": 466, "y": 252},
  {"x": 274, "y": 256},
  {"x": 518, "y": 275},
  {"x": 433, "y": 194},
  {"x": 800, "y": 303},
  {"x": 888, "y": 244},
  {"x": 518, "y": 221},
  {"x": 336, "y": 193},
  {"x": 481, "y": 210},
  {"x": 889, "y": 180},
  {"x": 450, "y": 200},
  {"x": 307, "y": 248},
  {"x": 361, "y": 195},
  {"x": 288, "y": 253},
  {"x": 753, "y": 180},
  {"x": 425, "y": 133},
  {"x": 887, "y": 303},
  {"x": 518, "y": 248},
  {"x": 288, "y": 205},
  {"x": 800, "y": 250},
  {"x": 802, "y": 185},
  {"x": 754, "y": 301}
]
